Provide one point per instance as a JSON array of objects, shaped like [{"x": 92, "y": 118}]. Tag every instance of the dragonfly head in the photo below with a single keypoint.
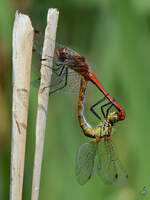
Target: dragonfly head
[
  {"x": 62, "y": 53},
  {"x": 112, "y": 117},
  {"x": 82, "y": 59}
]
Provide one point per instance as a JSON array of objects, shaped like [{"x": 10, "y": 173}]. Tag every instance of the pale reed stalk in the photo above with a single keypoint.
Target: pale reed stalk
[
  {"x": 22, "y": 54},
  {"x": 43, "y": 96}
]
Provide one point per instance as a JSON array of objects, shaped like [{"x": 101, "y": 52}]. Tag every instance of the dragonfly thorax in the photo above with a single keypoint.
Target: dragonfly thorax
[
  {"x": 104, "y": 129},
  {"x": 112, "y": 118}
]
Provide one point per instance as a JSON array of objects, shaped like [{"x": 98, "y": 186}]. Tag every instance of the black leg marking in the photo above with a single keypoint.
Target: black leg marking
[
  {"x": 92, "y": 107},
  {"x": 61, "y": 71},
  {"x": 65, "y": 84},
  {"x": 102, "y": 108},
  {"x": 54, "y": 68},
  {"x": 108, "y": 109}
]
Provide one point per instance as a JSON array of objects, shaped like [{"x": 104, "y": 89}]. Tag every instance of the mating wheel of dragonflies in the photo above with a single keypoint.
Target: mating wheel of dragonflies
[{"x": 68, "y": 67}]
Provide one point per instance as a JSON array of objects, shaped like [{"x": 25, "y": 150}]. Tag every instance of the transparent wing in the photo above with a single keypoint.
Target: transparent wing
[
  {"x": 97, "y": 163},
  {"x": 38, "y": 44},
  {"x": 62, "y": 80},
  {"x": 112, "y": 170},
  {"x": 68, "y": 82},
  {"x": 85, "y": 162}
]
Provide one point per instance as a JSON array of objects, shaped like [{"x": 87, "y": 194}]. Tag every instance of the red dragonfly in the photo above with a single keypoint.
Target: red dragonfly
[
  {"x": 68, "y": 62},
  {"x": 98, "y": 156}
]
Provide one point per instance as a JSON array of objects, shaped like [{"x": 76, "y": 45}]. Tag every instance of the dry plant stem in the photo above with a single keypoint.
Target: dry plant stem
[
  {"x": 43, "y": 96},
  {"x": 22, "y": 54}
]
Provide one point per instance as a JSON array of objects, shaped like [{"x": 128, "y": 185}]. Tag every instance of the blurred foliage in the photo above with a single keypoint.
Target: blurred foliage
[{"x": 115, "y": 37}]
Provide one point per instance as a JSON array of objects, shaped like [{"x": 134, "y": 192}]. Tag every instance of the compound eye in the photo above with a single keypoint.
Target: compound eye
[
  {"x": 82, "y": 58},
  {"x": 57, "y": 53}
]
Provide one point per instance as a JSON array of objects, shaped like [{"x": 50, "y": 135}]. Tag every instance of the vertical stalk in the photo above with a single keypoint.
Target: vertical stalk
[
  {"x": 22, "y": 54},
  {"x": 43, "y": 96}
]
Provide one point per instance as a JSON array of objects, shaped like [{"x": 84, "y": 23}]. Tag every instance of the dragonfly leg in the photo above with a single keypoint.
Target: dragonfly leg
[
  {"x": 102, "y": 108},
  {"x": 93, "y": 106},
  {"x": 65, "y": 84},
  {"x": 54, "y": 68},
  {"x": 108, "y": 109},
  {"x": 60, "y": 73}
]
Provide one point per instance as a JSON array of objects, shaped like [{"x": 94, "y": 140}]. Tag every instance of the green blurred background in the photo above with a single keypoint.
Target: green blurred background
[{"x": 115, "y": 38}]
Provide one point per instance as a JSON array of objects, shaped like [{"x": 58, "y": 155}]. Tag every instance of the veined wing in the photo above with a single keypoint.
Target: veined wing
[
  {"x": 58, "y": 83},
  {"x": 85, "y": 162},
  {"x": 38, "y": 44},
  {"x": 112, "y": 170},
  {"x": 62, "y": 80}
]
